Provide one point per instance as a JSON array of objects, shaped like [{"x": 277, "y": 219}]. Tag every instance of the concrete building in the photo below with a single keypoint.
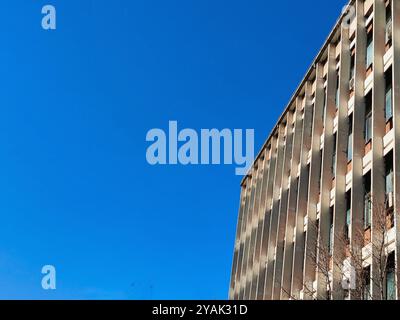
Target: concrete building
[{"x": 318, "y": 215}]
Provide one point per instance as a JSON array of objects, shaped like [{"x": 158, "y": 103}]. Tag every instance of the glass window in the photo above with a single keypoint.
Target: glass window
[
  {"x": 389, "y": 182},
  {"x": 348, "y": 222},
  {"x": 350, "y": 140},
  {"x": 325, "y": 103},
  {"x": 367, "y": 210},
  {"x": 367, "y": 200},
  {"x": 388, "y": 31},
  {"x": 368, "y": 118},
  {"x": 388, "y": 101},
  {"x": 337, "y": 96},
  {"x": 370, "y": 51},
  {"x": 367, "y": 284},
  {"x": 348, "y": 217},
  {"x": 308, "y": 130},
  {"x": 352, "y": 73},
  {"x": 330, "y": 244},
  {"x": 368, "y": 128},
  {"x": 320, "y": 170},
  {"x": 389, "y": 173},
  {"x": 334, "y": 165},
  {"x": 334, "y": 156},
  {"x": 350, "y": 147},
  {"x": 352, "y": 67},
  {"x": 390, "y": 286},
  {"x": 390, "y": 279},
  {"x": 331, "y": 240}
]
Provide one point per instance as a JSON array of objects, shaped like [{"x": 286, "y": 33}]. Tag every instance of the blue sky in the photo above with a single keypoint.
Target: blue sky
[{"x": 76, "y": 103}]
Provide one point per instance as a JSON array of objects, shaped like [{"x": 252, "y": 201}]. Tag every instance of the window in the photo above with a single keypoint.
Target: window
[
  {"x": 389, "y": 173},
  {"x": 337, "y": 96},
  {"x": 370, "y": 51},
  {"x": 390, "y": 286},
  {"x": 368, "y": 118},
  {"x": 367, "y": 210},
  {"x": 330, "y": 241},
  {"x": 389, "y": 181},
  {"x": 388, "y": 96},
  {"x": 320, "y": 170},
  {"x": 350, "y": 140},
  {"x": 334, "y": 156},
  {"x": 307, "y": 174},
  {"x": 348, "y": 216},
  {"x": 352, "y": 69},
  {"x": 348, "y": 222},
  {"x": 312, "y": 120},
  {"x": 367, "y": 201},
  {"x": 390, "y": 279},
  {"x": 388, "y": 30},
  {"x": 389, "y": 177},
  {"x": 352, "y": 75},
  {"x": 325, "y": 103},
  {"x": 367, "y": 283}
]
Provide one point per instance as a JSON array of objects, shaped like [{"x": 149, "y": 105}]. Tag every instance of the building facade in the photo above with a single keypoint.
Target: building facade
[{"x": 318, "y": 215}]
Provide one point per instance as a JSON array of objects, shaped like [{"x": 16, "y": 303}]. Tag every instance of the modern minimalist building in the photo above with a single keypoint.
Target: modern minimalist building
[{"x": 319, "y": 209}]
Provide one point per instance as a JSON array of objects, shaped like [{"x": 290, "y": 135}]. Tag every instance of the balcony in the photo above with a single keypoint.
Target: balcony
[
  {"x": 388, "y": 142},
  {"x": 348, "y": 181},
  {"x": 368, "y": 7},
  {"x": 368, "y": 81},
  {"x": 388, "y": 59},
  {"x": 351, "y": 105},
  {"x": 367, "y": 162}
]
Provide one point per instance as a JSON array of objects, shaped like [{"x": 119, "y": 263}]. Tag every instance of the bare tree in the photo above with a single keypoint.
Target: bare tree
[
  {"x": 375, "y": 247},
  {"x": 352, "y": 257},
  {"x": 320, "y": 256}
]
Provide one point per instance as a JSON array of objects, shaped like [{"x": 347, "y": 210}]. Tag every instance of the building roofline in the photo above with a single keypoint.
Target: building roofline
[{"x": 300, "y": 87}]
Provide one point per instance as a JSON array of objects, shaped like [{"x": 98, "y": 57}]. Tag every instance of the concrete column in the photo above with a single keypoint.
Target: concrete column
[
  {"x": 341, "y": 167},
  {"x": 274, "y": 215},
  {"x": 292, "y": 205},
  {"x": 396, "y": 122},
  {"x": 326, "y": 173},
  {"x": 266, "y": 220},
  {"x": 248, "y": 233},
  {"x": 302, "y": 199},
  {"x": 313, "y": 191},
  {"x": 234, "y": 276},
  {"x": 378, "y": 132},
  {"x": 357, "y": 189},
  {"x": 254, "y": 225},
  {"x": 245, "y": 186},
  {"x": 260, "y": 223},
  {"x": 282, "y": 214},
  {"x": 245, "y": 238}
]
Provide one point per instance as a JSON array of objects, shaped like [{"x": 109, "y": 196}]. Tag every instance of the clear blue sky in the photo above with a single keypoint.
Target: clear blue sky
[{"x": 76, "y": 104}]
